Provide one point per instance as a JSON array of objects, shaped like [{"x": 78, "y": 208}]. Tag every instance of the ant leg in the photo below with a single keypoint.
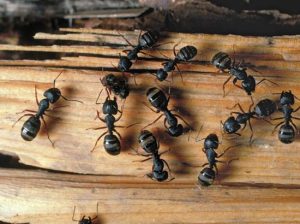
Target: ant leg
[
  {"x": 239, "y": 106},
  {"x": 203, "y": 165},
  {"x": 25, "y": 115},
  {"x": 32, "y": 111},
  {"x": 230, "y": 147},
  {"x": 99, "y": 96},
  {"x": 296, "y": 109},
  {"x": 244, "y": 126},
  {"x": 138, "y": 153},
  {"x": 56, "y": 107},
  {"x": 36, "y": 97},
  {"x": 144, "y": 160},
  {"x": 70, "y": 100},
  {"x": 98, "y": 140},
  {"x": 224, "y": 84},
  {"x": 74, "y": 215},
  {"x": 46, "y": 128},
  {"x": 266, "y": 80},
  {"x": 217, "y": 171},
  {"x": 295, "y": 126},
  {"x": 160, "y": 116},
  {"x": 57, "y": 78},
  {"x": 278, "y": 118},
  {"x": 176, "y": 115},
  {"x": 127, "y": 41},
  {"x": 250, "y": 140},
  {"x": 164, "y": 161},
  {"x": 174, "y": 48},
  {"x": 231, "y": 113},
  {"x": 234, "y": 83},
  {"x": 155, "y": 111},
  {"x": 96, "y": 128},
  {"x": 179, "y": 73},
  {"x": 117, "y": 133},
  {"x": 296, "y": 118},
  {"x": 98, "y": 116}
]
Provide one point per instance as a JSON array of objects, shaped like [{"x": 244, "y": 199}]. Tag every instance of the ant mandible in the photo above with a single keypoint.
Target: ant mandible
[{"x": 32, "y": 126}]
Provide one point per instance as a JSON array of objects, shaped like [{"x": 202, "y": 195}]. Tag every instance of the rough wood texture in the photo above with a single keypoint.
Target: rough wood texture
[{"x": 125, "y": 195}]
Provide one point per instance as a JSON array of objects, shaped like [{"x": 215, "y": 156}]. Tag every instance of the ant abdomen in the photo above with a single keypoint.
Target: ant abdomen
[
  {"x": 221, "y": 60},
  {"x": 286, "y": 134},
  {"x": 112, "y": 145},
  {"x": 124, "y": 64},
  {"x": 30, "y": 128},
  {"x": 186, "y": 53},
  {"x": 206, "y": 176}
]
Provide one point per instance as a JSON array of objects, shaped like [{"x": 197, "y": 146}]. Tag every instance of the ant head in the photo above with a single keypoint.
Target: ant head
[
  {"x": 287, "y": 98},
  {"x": 30, "y": 128},
  {"x": 231, "y": 125},
  {"x": 124, "y": 63},
  {"x": 211, "y": 142},
  {"x": 206, "y": 176},
  {"x": 286, "y": 134},
  {"x": 160, "y": 176},
  {"x": 161, "y": 74},
  {"x": 52, "y": 94},
  {"x": 110, "y": 106},
  {"x": 175, "y": 131},
  {"x": 85, "y": 220},
  {"x": 112, "y": 145},
  {"x": 108, "y": 80}
]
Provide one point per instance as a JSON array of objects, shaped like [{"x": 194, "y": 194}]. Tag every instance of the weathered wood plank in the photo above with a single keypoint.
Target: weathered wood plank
[{"x": 49, "y": 198}]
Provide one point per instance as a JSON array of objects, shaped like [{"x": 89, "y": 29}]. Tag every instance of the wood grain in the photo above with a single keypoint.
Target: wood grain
[{"x": 266, "y": 164}]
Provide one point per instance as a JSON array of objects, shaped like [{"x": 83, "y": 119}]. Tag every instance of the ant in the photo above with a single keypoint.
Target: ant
[
  {"x": 286, "y": 132},
  {"x": 158, "y": 100},
  {"x": 111, "y": 142},
  {"x": 263, "y": 109},
  {"x": 224, "y": 63},
  {"x": 84, "y": 220},
  {"x": 32, "y": 126},
  {"x": 183, "y": 55},
  {"x": 150, "y": 145},
  {"x": 147, "y": 40},
  {"x": 208, "y": 174},
  {"x": 117, "y": 85}
]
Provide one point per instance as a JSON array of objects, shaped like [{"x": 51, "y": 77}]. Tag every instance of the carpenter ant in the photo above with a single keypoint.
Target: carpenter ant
[
  {"x": 224, "y": 63},
  {"x": 32, "y": 126},
  {"x": 111, "y": 142},
  {"x": 84, "y": 220},
  {"x": 150, "y": 145},
  {"x": 286, "y": 132},
  {"x": 118, "y": 85},
  {"x": 208, "y": 174},
  {"x": 183, "y": 55},
  {"x": 147, "y": 40},
  {"x": 263, "y": 109},
  {"x": 158, "y": 100}
]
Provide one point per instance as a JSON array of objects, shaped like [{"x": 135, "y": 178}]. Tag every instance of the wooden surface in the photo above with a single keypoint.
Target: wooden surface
[{"x": 262, "y": 186}]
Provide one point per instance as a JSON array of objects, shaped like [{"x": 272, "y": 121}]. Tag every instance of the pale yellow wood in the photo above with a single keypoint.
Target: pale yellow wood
[{"x": 50, "y": 198}]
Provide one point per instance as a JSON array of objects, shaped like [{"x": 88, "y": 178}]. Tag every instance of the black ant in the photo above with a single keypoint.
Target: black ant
[
  {"x": 263, "y": 109},
  {"x": 286, "y": 132},
  {"x": 147, "y": 40},
  {"x": 150, "y": 145},
  {"x": 118, "y": 85},
  {"x": 224, "y": 63},
  {"x": 158, "y": 100},
  {"x": 183, "y": 55},
  {"x": 111, "y": 142},
  {"x": 32, "y": 126},
  {"x": 208, "y": 174},
  {"x": 84, "y": 220}
]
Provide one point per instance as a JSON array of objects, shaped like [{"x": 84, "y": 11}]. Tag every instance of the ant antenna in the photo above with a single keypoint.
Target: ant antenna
[
  {"x": 57, "y": 78},
  {"x": 74, "y": 214},
  {"x": 97, "y": 212},
  {"x": 70, "y": 100}
]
